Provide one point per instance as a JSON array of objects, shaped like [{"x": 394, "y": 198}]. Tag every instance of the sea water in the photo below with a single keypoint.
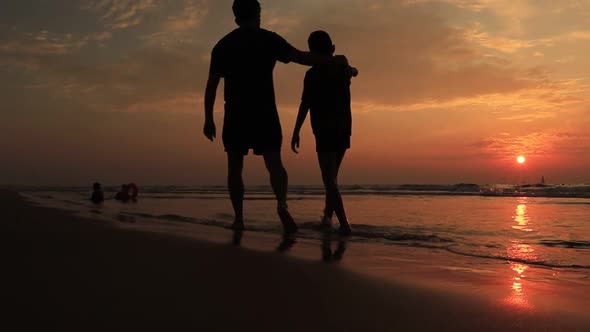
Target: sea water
[{"x": 538, "y": 231}]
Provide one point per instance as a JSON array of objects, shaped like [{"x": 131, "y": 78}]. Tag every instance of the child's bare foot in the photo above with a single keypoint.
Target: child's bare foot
[
  {"x": 326, "y": 223},
  {"x": 345, "y": 229}
]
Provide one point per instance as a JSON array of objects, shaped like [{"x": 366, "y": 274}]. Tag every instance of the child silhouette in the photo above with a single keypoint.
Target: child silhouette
[{"x": 326, "y": 95}]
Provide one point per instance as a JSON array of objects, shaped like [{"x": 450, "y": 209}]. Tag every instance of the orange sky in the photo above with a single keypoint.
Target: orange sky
[{"x": 449, "y": 91}]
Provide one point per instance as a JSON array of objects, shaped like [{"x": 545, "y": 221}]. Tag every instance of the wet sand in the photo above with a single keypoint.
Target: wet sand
[{"x": 63, "y": 272}]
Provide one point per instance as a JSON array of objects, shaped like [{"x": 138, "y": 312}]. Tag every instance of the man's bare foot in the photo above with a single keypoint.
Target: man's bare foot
[
  {"x": 237, "y": 238},
  {"x": 286, "y": 244},
  {"x": 289, "y": 225}
]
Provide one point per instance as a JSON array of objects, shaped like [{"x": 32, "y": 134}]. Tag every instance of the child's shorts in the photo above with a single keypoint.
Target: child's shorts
[{"x": 332, "y": 143}]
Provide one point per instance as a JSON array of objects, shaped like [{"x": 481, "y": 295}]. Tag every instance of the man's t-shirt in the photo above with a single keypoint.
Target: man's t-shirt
[
  {"x": 246, "y": 58},
  {"x": 327, "y": 91}
]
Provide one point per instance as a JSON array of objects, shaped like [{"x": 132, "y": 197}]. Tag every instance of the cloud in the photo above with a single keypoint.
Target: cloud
[
  {"x": 473, "y": 5},
  {"x": 188, "y": 102},
  {"x": 409, "y": 55},
  {"x": 410, "y": 58},
  {"x": 121, "y": 14},
  {"x": 148, "y": 79},
  {"x": 280, "y": 22},
  {"x": 31, "y": 50},
  {"x": 182, "y": 25},
  {"x": 478, "y": 35},
  {"x": 507, "y": 146},
  {"x": 190, "y": 17}
]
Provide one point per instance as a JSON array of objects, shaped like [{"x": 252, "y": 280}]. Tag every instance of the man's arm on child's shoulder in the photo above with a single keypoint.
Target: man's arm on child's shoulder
[{"x": 315, "y": 59}]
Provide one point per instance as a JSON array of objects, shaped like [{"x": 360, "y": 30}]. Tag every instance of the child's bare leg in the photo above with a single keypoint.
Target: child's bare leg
[
  {"x": 330, "y": 165},
  {"x": 335, "y": 169},
  {"x": 328, "y": 211}
]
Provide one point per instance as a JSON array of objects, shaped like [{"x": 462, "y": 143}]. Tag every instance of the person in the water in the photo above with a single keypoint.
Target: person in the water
[
  {"x": 123, "y": 194},
  {"x": 97, "y": 194}
]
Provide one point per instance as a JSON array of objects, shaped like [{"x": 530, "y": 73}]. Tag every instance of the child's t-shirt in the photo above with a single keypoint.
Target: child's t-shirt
[{"x": 327, "y": 91}]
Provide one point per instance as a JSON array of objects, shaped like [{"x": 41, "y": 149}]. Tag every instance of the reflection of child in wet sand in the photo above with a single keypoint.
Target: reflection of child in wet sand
[
  {"x": 327, "y": 254},
  {"x": 97, "y": 194},
  {"x": 326, "y": 95}
]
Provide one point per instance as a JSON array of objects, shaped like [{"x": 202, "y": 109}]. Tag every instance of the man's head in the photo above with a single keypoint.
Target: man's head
[
  {"x": 96, "y": 186},
  {"x": 247, "y": 12},
  {"x": 320, "y": 42}
]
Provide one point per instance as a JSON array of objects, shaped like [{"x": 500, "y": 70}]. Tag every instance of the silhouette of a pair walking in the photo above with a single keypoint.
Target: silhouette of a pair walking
[{"x": 245, "y": 58}]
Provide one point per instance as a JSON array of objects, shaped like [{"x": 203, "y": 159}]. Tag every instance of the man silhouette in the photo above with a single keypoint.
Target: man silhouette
[{"x": 245, "y": 59}]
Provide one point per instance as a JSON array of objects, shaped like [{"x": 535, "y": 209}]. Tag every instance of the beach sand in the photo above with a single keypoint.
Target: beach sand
[{"x": 66, "y": 273}]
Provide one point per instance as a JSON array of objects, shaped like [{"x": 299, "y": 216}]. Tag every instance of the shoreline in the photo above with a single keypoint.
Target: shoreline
[
  {"x": 71, "y": 273},
  {"x": 295, "y": 192}
]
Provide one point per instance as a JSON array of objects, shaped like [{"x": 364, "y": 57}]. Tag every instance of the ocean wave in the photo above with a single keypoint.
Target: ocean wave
[
  {"x": 386, "y": 233},
  {"x": 205, "y": 222},
  {"x": 397, "y": 236},
  {"x": 540, "y": 263},
  {"x": 222, "y": 197},
  {"x": 566, "y": 244},
  {"x": 361, "y": 232},
  {"x": 561, "y": 203},
  {"x": 70, "y": 202}
]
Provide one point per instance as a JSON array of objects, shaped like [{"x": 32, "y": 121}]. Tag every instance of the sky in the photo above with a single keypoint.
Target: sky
[{"x": 449, "y": 91}]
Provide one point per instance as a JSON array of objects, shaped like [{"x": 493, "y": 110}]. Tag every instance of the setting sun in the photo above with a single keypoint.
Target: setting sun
[{"x": 521, "y": 159}]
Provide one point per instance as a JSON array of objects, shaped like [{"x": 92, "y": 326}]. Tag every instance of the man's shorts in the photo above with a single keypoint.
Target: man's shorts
[
  {"x": 262, "y": 136},
  {"x": 259, "y": 147},
  {"x": 332, "y": 143}
]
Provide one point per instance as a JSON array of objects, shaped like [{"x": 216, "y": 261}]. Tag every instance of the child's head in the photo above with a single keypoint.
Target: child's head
[
  {"x": 320, "y": 42},
  {"x": 96, "y": 186}
]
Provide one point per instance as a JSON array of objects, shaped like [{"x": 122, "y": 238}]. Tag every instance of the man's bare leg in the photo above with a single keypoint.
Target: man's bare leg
[
  {"x": 235, "y": 185},
  {"x": 279, "y": 181}
]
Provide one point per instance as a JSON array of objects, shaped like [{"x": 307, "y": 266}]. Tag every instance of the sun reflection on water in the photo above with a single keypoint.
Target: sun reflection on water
[
  {"x": 518, "y": 296},
  {"x": 520, "y": 252},
  {"x": 521, "y": 217}
]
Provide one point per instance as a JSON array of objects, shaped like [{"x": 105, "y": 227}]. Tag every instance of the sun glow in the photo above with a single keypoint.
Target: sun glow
[{"x": 520, "y": 159}]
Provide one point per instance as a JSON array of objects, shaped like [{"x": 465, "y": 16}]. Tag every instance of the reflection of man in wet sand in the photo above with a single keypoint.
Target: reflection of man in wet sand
[{"x": 245, "y": 59}]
